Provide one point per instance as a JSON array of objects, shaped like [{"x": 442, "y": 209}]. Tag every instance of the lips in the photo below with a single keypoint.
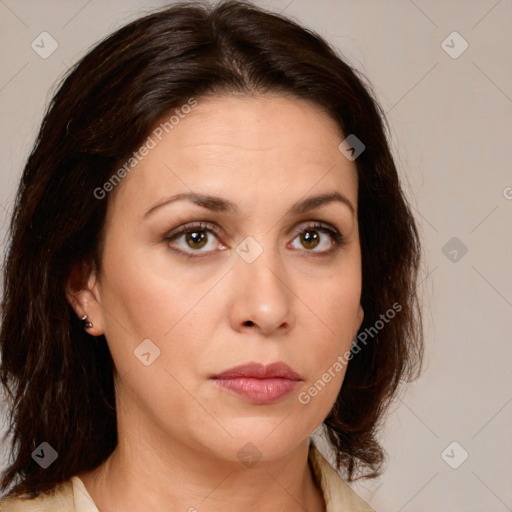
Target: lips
[{"x": 257, "y": 383}]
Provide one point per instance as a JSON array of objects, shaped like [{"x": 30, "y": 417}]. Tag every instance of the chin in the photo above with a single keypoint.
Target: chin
[{"x": 265, "y": 438}]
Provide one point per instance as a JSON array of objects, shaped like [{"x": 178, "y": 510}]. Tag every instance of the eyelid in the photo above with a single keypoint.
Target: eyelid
[
  {"x": 199, "y": 225},
  {"x": 311, "y": 224}
]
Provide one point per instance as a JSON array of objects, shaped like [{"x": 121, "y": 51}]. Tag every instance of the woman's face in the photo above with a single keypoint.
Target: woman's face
[{"x": 251, "y": 275}]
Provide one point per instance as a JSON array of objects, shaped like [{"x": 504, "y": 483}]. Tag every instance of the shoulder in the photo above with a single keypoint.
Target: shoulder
[
  {"x": 59, "y": 499},
  {"x": 338, "y": 495}
]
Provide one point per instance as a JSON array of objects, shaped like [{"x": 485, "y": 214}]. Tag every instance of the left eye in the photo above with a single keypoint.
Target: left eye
[{"x": 311, "y": 238}]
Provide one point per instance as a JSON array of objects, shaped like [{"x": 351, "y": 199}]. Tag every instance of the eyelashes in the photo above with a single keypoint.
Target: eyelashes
[{"x": 196, "y": 239}]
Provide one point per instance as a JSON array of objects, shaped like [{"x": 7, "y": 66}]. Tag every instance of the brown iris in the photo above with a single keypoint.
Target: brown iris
[
  {"x": 198, "y": 239},
  {"x": 310, "y": 239}
]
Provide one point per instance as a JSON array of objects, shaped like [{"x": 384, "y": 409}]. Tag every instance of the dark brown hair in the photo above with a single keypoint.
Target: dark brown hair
[{"x": 58, "y": 379}]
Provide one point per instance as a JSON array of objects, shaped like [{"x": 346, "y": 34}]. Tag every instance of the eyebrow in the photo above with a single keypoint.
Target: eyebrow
[{"x": 218, "y": 204}]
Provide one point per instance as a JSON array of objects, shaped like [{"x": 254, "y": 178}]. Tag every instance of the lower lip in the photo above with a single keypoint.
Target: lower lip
[{"x": 258, "y": 391}]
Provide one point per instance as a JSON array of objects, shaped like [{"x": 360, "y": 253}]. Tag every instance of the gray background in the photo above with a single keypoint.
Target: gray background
[{"x": 451, "y": 125}]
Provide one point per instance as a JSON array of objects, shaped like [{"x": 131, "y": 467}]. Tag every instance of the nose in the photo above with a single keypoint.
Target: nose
[{"x": 262, "y": 298}]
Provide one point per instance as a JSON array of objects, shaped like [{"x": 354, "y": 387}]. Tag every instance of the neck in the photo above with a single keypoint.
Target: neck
[{"x": 140, "y": 476}]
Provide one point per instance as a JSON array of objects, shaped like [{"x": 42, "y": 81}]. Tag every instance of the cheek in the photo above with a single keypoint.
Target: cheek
[
  {"x": 327, "y": 362},
  {"x": 337, "y": 305},
  {"x": 327, "y": 353},
  {"x": 148, "y": 301}
]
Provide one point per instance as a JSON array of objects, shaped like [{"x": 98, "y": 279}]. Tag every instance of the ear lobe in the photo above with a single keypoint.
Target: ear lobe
[{"x": 83, "y": 295}]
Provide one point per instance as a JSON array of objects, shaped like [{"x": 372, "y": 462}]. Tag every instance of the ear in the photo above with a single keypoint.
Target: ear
[
  {"x": 83, "y": 294},
  {"x": 360, "y": 317}
]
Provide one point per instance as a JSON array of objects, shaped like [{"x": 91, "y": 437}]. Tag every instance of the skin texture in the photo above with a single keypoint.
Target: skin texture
[{"x": 179, "y": 434}]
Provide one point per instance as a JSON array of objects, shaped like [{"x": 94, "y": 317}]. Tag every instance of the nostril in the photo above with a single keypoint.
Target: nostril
[{"x": 249, "y": 323}]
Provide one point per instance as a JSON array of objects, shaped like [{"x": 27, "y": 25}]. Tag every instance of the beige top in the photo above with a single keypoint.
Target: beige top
[{"x": 72, "y": 496}]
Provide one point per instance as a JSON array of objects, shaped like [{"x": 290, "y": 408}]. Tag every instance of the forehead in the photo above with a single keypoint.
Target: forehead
[
  {"x": 255, "y": 121},
  {"x": 232, "y": 144}
]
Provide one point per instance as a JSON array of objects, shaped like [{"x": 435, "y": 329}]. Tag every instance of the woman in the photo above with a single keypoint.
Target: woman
[{"x": 211, "y": 256}]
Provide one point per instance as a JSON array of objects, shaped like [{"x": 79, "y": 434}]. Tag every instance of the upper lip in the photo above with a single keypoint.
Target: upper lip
[{"x": 260, "y": 371}]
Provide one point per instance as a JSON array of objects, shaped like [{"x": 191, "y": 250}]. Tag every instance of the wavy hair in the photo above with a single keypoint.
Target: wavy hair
[{"x": 58, "y": 379}]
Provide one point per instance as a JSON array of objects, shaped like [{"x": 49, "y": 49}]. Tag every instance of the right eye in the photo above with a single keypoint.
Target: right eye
[{"x": 193, "y": 238}]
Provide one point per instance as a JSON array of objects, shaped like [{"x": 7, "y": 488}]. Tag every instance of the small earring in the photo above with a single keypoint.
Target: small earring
[{"x": 85, "y": 323}]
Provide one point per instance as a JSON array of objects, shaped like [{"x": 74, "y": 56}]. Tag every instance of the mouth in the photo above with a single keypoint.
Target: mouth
[{"x": 257, "y": 383}]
